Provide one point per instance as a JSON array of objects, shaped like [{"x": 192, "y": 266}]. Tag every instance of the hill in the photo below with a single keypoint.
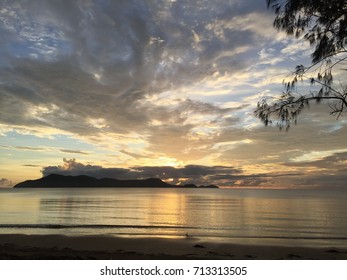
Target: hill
[{"x": 82, "y": 181}]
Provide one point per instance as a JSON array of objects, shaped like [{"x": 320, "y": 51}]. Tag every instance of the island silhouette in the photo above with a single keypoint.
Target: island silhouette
[{"x": 83, "y": 181}]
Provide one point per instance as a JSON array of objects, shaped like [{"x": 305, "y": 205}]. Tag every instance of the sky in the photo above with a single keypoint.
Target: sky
[{"x": 162, "y": 88}]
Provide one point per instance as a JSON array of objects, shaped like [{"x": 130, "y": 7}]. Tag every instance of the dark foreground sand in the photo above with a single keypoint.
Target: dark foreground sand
[{"x": 18, "y": 246}]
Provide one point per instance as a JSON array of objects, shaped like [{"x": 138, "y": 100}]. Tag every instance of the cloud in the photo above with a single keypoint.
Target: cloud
[
  {"x": 197, "y": 174},
  {"x": 43, "y": 149},
  {"x": 327, "y": 171},
  {"x": 328, "y": 180},
  {"x": 24, "y": 148},
  {"x": 153, "y": 80},
  {"x": 98, "y": 73},
  {"x": 224, "y": 176},
  {"x": 332, "y": 162},
  {"x": 134, "y": 155},
  {"x": 5, "y": 183},
  {"x": 74, "y": 168},
  {"x": 31, "y": 165},
  {"x": 314, "y": 133},
  {"x": 73, "y": 151},
  {"x": 75, "y": 62}
]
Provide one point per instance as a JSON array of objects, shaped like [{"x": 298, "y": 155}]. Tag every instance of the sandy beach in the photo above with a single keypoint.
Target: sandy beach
[{"x": 18, "y": 246}]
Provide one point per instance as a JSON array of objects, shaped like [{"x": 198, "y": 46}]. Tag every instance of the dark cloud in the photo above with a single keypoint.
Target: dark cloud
[
  {"x": 224, "y": 176},
  {"x": 74, "y": 168},
  {"x": 266, "y": 180},
  {"x": 73, "y": 151},
  {"x": 31, "y": 165},
  {"x": 323, "y": 179},
  {"x": 197, "y": 174},
  {"x": 329, "y": 171},
  {"x": 333, "y": 162},
  {"x": 134, "y": 155},
  {"x": 328, "y": 180}
]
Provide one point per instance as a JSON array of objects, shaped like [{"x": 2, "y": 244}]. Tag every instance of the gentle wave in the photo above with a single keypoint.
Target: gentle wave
[{"x": 102, "y": 226}]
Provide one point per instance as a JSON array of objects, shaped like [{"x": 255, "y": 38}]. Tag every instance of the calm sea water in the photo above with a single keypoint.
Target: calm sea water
[{"x": 288, "y": 217}]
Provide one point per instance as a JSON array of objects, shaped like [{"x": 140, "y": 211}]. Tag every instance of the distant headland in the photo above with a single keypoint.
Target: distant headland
[{"x": 82, "y": 181}]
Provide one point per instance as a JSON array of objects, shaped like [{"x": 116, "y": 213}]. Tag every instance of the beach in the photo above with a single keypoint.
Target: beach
[
  {"x": 213, "y": 224},
  {"x": 51, "y": 247}
]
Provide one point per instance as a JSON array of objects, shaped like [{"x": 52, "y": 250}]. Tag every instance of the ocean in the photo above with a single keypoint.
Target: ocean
[{"x": 245, "y": 216}]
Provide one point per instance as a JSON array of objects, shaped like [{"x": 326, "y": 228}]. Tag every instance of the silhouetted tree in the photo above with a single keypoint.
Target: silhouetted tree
[{"x": 323, "y": 23}]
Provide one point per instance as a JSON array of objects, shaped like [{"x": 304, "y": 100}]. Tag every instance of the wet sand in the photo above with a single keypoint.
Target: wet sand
[{"x": 50, "y": 247}]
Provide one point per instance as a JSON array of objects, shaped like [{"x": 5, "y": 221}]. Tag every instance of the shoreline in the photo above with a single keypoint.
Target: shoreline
[{"x": 54, "y": 247}]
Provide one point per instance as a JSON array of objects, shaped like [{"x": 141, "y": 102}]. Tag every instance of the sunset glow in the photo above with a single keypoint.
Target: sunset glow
[{"x": 168, "y": 89}]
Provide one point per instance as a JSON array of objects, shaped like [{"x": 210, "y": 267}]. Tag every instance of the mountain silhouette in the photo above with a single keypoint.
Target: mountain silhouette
[{"x": 83, "y": 181}]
